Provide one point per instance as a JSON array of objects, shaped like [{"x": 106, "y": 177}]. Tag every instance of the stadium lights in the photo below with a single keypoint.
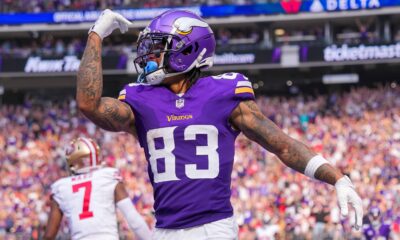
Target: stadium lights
[{"x": 279, "y": 32}]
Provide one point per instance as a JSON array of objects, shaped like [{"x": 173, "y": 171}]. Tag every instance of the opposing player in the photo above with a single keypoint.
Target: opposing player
[
  {"x": 187, "y": 124},
  {"x": 89, "y": 196}
]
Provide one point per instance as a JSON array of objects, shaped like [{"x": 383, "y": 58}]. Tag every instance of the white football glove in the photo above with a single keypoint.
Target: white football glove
[
  {"x": 346, "y": 193},
  {"x": 107, "y": 22}
]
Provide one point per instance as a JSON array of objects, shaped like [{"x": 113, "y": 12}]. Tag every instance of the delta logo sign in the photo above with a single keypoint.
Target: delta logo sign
[
  {"x": 291, "y": 6},
  {"x": 296, "y": 6},
  {"x": 347, "y": 5}
]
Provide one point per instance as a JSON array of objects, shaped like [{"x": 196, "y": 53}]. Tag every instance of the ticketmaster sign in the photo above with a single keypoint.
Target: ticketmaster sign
[{"x": 358, "y": 53}]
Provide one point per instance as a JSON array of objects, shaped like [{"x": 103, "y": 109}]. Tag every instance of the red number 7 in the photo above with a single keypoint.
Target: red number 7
[{"x": 86, "y": 199}]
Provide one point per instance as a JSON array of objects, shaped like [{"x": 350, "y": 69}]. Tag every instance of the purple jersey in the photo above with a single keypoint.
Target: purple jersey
[
  {"x": 189, "y": 145},
  {"x": 377, "y": 231}
]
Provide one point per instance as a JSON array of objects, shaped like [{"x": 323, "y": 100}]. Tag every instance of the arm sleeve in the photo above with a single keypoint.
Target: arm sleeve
[
  {"x": 243, "y": 88},
  {"x": 122, "y": 95},
  {"x": 116, "y": 175},
  {"x": 134, "y": 219},
  {"x": 56, "y": 193},
  {"x": 110, "y": 173}
]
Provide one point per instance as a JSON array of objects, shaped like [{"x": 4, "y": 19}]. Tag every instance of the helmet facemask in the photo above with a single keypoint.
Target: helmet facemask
[
  {"x": 164, "y": 46},
  {"x": 150, "y": 47}
]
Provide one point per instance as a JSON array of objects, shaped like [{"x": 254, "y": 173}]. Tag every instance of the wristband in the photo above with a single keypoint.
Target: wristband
[{"x": 313, "y": 165}]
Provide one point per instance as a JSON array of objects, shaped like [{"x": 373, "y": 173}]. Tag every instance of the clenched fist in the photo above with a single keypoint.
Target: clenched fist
[{"x": 107, "y": 22}]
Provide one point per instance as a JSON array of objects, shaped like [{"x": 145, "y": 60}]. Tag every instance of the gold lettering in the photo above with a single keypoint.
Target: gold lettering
[{"x": 179, "y": 117}]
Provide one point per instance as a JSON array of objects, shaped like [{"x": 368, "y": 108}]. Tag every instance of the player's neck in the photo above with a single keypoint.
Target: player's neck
[{"x": 178, "y": 85}]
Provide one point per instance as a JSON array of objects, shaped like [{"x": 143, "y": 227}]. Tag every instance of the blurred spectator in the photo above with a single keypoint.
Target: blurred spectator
[
  {"x": 47, "y": 45},
  {"x": 361, "y": 32},
  {"x": 310, "y": 35},
  {"x": 363, "y": 27},
  {"x": 36, "y": 6}
]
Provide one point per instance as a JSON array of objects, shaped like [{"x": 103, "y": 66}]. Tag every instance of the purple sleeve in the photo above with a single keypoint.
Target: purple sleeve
[
  {"x": 122, "y": 95},
  {"x": 131, "y": 94},
  {"x": 243, "y": 88}
]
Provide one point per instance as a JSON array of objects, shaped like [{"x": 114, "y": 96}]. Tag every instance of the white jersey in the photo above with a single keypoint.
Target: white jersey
[{"x": 87, "y": 201}]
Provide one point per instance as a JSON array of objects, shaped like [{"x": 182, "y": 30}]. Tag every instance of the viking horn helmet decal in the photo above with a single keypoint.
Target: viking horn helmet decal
[{"x": 184, "y": 25}]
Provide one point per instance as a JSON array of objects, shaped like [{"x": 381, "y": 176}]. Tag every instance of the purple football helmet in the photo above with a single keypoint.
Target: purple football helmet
[
  {"x": 375, "y": 212},
  {"x": 182, "y": 39}
]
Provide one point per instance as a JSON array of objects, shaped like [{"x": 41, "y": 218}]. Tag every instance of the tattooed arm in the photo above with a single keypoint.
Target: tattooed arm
[
  {"x": 108, "y": 113},
  {"x": 248, "y": 118}
]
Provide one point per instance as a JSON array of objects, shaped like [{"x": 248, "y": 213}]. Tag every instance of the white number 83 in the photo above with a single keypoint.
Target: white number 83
[{"x": 191, "y": 171}]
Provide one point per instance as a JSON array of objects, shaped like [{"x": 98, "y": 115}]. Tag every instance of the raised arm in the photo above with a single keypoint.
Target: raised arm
[
  {"x": 108, "y": 113},
  {"x": 248, "y": 118}
]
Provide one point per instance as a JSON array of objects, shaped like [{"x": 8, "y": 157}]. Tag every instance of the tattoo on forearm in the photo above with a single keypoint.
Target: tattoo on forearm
[
  {"x": 328, "y": 174},
  {"x": 112, "y": 115},
  {"x": 293, "y": 153},
  {"x": 90, "y": 76},
  {"x": 108, "y": 113}
]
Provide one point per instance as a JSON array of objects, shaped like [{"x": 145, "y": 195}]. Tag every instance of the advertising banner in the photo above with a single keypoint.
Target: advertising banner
[
  {"x": 350, "y": 53},
  {"x": 282, "y": 7},
  {"x": 123, "y": 64},
  {"x": 37, "y": 64}
]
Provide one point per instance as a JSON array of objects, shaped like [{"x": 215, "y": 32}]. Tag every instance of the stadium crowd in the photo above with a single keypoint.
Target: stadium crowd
[
  {"x": 228, "y": 39},
  {"x": 47, "y": 45},
  {"x": 358, "y": 131},
  {"x": 37, "y": 6}
]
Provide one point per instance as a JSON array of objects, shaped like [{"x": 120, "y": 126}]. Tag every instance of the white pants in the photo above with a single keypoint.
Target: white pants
[{"x": 225, "y": 229}]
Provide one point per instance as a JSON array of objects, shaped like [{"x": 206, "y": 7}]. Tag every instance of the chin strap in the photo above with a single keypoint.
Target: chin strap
[{"x": 140, "y": 78}]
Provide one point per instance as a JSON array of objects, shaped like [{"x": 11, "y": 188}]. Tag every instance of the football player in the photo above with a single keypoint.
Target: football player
[
  {"x": 376, "y": 226},
  {"x": 187, "y": 124},
  {"x": 89, "y": 196}
]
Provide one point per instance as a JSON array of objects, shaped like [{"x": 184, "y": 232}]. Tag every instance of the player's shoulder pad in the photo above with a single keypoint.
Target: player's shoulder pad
[
  {"x": 235, "y": 84},
  {"x": 239, "y": 85},
  {"x": 111, "y": 173},
  {"x": 56, "y": 186},
  {"x": 122, "y": 94},
  {"x": 131, "y": 87},
  {"x": 233, "y": 76}
]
